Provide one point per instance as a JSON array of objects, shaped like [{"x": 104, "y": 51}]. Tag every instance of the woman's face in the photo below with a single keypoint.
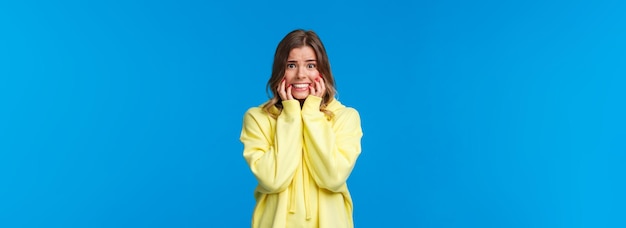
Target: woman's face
[{"x": 301, "y": 71}]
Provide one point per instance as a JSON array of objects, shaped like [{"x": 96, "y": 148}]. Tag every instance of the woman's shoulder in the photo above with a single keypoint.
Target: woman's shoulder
[
  {"x": 338, "y": 108},
  {"x": 259, "y": 110},
  {"x": 255, "y": 110}
]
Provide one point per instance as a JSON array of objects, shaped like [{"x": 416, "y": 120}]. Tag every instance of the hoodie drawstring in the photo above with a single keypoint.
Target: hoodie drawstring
[
  {"x": 292, "y": 198},
  {"x": 306, "y": 192},
  {"x": 292, "y": 190}
]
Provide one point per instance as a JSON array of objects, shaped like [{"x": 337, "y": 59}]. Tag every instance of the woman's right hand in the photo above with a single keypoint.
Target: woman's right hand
[{"x": 285, "y": 93}]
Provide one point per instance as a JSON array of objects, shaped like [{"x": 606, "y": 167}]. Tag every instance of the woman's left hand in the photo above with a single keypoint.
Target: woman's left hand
[{"x": 318, "y": 88}]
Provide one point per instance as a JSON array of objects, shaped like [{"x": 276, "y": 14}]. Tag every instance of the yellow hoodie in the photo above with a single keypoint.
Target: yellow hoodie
[{"x": 301, "y": 161}]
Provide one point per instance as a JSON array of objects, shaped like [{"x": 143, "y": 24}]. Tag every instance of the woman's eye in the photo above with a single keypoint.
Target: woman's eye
[
  {"x": 311, "y": 65},
  {"x": 291, "y": 65}
]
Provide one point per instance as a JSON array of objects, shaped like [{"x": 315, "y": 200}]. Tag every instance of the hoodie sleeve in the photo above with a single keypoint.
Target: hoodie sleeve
[
  {"x": 332, "y": 147},
  {"x": 273, "y": 157}
]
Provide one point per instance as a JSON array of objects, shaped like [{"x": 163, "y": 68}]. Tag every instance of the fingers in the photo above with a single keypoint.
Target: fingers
[
  {"x": 312, "y": 89},
  {"x": 281, "y": 90},
  {"x": 284, "y": 93},
  {"x": 318, "y": 88},
  {"x": 289, "y": 96}
]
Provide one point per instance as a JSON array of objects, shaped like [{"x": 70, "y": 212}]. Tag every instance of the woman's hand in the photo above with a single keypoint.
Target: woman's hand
[
  {"x": 318, "y": 88},
  {"x": 284, "y": 93}
]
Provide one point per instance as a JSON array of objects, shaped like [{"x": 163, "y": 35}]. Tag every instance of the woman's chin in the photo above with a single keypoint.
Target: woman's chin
[{"x": 301, "y": 96}]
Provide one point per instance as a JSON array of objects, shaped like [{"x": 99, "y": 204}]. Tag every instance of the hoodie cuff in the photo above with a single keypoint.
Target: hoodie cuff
[
  {"x": 291, "y": 109},
  {"x": 312, "y": 104}
]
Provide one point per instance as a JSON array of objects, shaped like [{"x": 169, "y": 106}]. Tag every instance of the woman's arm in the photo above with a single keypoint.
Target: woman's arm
[
  {"x": 273, "y": 158},
  {"x": 331, "y": 149}
]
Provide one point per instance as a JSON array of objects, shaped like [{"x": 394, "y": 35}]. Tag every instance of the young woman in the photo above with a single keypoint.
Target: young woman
[{"x": 302, "y": 144}]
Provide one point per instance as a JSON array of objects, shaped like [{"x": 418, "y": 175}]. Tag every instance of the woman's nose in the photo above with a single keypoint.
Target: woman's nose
[{"x": 301, "y": 72}]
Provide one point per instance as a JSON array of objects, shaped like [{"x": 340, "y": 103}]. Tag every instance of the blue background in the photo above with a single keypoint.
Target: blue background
[{"x": 475, "y": 113}]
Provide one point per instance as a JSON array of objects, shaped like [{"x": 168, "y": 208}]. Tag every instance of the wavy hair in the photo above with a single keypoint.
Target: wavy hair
[{"x": 297, "y": 39}]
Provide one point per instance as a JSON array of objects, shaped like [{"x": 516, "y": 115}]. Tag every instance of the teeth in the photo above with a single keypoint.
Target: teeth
[{"x": 300, "y": 85}]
